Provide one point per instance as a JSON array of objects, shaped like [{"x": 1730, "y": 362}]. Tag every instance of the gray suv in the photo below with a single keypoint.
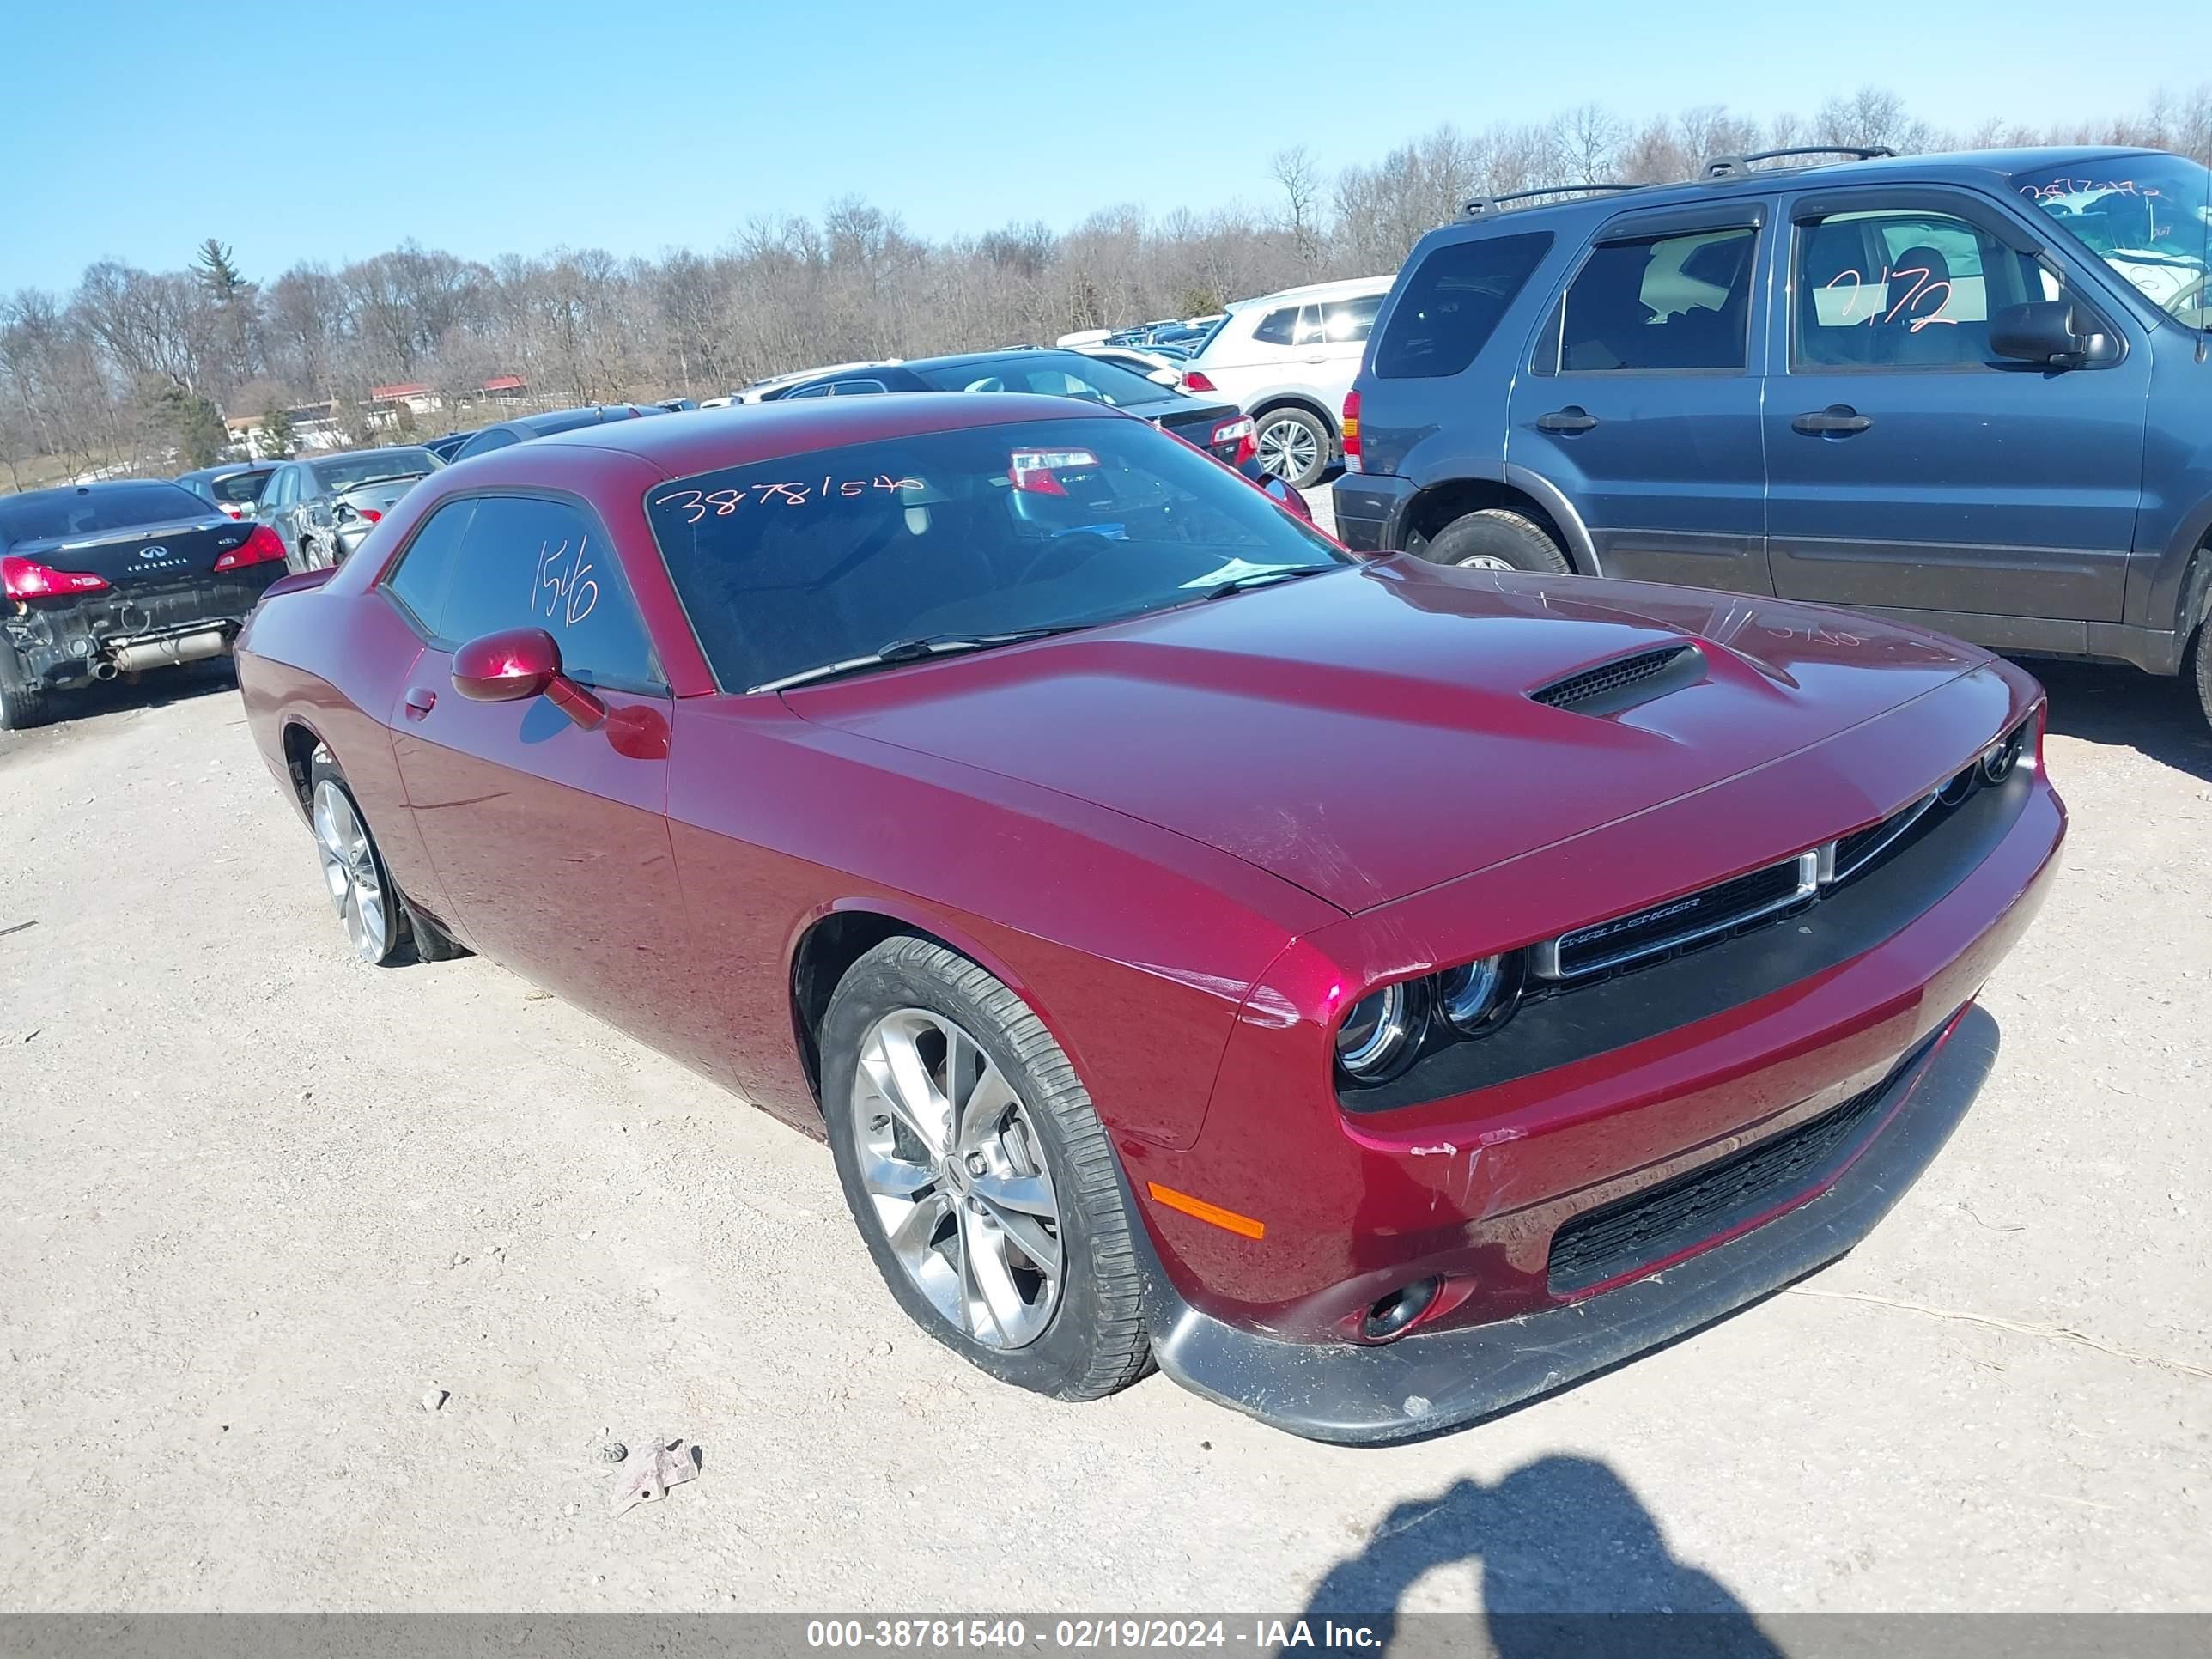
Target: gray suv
[{"x": 1968, "y": 391}]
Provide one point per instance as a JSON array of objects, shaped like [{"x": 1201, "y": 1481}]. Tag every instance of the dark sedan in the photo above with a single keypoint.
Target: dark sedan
[
  {"x": 107, "y": 579},
  {"x": 1379, "y": 992},
  {"x": 1222, "y": 430},
  {"x": 523, "y": 428}
]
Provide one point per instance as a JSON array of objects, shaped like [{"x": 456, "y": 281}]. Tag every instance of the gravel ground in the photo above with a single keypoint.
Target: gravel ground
[{"x": 263, "y": 1202}]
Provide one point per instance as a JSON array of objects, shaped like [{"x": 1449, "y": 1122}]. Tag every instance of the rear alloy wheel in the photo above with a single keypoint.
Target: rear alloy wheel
[
  {"x": 359, "y": 889},
  {"x": 1296, "y": 446},
  {"x": 22, "y": 705},
  {"x": 980, "y": 1178},
  {"x": 1497, "y": 538}
]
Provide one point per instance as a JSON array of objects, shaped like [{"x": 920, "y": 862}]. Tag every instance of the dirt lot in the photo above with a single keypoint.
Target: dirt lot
[{"x": 261, "y": 1199}]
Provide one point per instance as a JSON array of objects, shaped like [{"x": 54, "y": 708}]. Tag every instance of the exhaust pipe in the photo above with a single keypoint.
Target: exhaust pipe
[
  {"x": 104, "y": 670},
  {"x": 170, "y": 654}
]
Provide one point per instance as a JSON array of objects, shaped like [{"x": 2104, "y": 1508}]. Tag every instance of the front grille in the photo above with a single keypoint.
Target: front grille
[
  {"x": 1667, "y": 927},
  {"x": 1615, "y": 685},
  {"x": 1859, "y": 849},
  {"x": 1652, "y": 1225}
]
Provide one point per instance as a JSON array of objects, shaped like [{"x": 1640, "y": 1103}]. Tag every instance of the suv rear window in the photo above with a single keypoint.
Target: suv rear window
[
  {"x": 239, "y": 489},
  {"x": 1452, "y": 303}
]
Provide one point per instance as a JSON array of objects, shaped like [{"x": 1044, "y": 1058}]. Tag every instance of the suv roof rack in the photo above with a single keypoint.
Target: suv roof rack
[
  {"x": 1735, "y": 166},
  {"x": 1482, "y": 204}
]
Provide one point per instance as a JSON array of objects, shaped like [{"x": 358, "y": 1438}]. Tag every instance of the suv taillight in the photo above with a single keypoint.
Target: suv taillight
[
  {"x": 264, "y": 546},
  {"x": 27, "y": 578},
  {"x": 1194, "y": 380},
  {"x": 1351, "y": 431}
]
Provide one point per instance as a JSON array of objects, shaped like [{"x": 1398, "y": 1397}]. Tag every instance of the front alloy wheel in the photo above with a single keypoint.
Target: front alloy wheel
[
  {"x": 953, "y": 1168},
  {"x": 981, "y": 1180},
  {"x": 1293, "y": 446}
]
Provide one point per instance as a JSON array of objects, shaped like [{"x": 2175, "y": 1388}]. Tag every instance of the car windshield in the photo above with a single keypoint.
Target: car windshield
[
  {"x": 959, "y": 538},
  {"x": 60, "y": 514},
  {"x": 2150, "y": 218},
  {"x": 351, "y": 472},
  {"x": 1058, "y": 373}
]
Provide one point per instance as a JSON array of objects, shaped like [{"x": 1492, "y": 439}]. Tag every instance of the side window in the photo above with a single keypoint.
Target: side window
[
  {"x": 1902, "y": 290},
  {"x": 822, "y": 390},
  {"x": 489, "y": 439},
  {"x": 280, "y": 487},
  {"x": 1350, "y": 320},
  {"x": 420, "y": 580},
  {"x": 1277, "y": 327},
  {"x": 1672, "y": 302},
  {"x": 526, "y": 563},
  {"x": 1309, "y": 329},
  {"x": 851, "y": 388},
  {"x": 1452, "y": 303}
]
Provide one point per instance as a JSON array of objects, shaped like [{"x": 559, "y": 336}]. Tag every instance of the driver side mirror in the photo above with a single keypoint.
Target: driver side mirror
[
  {"x": 519, "y": 663},
  {"x": 2055, "y": 332}
]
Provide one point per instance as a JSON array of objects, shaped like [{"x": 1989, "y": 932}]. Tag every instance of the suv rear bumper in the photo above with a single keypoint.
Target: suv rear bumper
[
  {"x": 1369, "y": 506},
  {"x": 1359, "y": 1394}
]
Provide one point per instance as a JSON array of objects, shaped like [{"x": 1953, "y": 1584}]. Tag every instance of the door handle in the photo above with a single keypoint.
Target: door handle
[
  {"x": 420, "y": 702},
  {"x": 1839, "y": 418},
  {"x": 1573, "y": 418}
]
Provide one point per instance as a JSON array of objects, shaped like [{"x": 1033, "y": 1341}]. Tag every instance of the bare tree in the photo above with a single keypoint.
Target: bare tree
[{"x": 1295, "y": 170}]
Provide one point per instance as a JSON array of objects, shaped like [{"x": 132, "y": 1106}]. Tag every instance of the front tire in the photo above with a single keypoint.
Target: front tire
[
  {"x": 979, "y": 1174},
  {"x": 22, "y": 705},
  {"x": 1295, "y": 445},
  {"x": 1498, "y": 539}
]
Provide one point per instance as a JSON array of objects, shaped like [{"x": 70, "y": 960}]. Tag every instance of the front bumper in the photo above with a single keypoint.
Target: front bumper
[{"x": 1425, "y": 1384}]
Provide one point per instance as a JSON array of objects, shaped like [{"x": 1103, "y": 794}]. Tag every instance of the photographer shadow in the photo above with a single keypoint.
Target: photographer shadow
[{"x": 1572, "y": 1565}]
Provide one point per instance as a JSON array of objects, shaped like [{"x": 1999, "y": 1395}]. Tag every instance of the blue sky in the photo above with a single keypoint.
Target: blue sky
[{"x": 332, "y": 130}]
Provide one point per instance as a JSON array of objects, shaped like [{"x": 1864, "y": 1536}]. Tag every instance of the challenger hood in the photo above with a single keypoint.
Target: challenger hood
[{"x": 1371, "y": 733}]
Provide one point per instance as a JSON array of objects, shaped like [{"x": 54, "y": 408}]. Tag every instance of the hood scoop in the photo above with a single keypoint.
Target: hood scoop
[{"x": 1611, "y": 687}]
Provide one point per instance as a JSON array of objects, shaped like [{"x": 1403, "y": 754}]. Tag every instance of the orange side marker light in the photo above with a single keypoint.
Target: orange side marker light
[{"x": 1242, "y": 1225}]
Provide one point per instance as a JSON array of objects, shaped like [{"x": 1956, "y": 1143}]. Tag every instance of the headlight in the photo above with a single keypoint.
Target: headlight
[
  {"x": 1377, "y": 1031},
  {"x": 1469, "y": 994}
]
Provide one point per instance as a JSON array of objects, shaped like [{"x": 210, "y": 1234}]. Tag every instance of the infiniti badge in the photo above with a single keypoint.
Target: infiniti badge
[{"x": 157, "y": 551}]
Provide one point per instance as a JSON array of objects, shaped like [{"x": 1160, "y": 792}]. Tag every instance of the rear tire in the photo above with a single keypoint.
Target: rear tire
[
  {"x": 358, "y": 885},
  {"x": 928, "y": 1063},
  {"x": 1295, "y": 445},
  {"x": 2198, "y": 670},
  {"x": 1498, "y": 539},
  {"x": 22, "y": 705}
]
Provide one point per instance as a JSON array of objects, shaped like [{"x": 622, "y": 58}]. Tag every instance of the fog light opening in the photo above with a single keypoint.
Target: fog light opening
[{"x": 1393, "y": 1314}]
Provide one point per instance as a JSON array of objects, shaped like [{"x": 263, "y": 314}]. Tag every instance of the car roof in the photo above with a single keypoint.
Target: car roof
[
  {"x": 1346, "y": 288},
  {"x": 708, "y": 440},
  {"x": 222, "y": 470},
  {"x": 104, "y": 486},
  {"x": 1979, "y": 166}
]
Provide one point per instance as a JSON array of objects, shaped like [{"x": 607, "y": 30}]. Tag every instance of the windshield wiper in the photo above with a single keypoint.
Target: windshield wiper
[
  {"x": 918, "y": 650},
  {"x": 1257, "y": 579}
]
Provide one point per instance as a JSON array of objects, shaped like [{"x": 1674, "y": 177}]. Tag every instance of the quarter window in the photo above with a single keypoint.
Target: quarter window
[
  {"x": 1452, "y": 303},
  {"x": 1903, "y": 290},
  {"x": 1672, "y": 302},
  {"x": 1277, "y": 327}
]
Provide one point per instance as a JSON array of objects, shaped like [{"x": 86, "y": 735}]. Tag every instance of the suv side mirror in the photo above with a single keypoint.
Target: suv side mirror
[
  {"x": 2051, "y": 332},
  {"x": 519, "y": 663}
]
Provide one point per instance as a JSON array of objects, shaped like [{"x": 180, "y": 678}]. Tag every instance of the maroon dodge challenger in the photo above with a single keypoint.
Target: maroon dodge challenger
[{"x": 1377, "y": 993}]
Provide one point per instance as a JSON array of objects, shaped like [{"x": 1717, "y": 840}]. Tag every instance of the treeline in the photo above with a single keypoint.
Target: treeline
[{"x": 135, "y": 364}]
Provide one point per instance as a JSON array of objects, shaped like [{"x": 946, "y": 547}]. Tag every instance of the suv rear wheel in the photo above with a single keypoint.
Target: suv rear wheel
[
  {"x": 1295, "y": 445},
  {"x": 2198, "y": 670},
  {"x": 1497, "y": 538}
]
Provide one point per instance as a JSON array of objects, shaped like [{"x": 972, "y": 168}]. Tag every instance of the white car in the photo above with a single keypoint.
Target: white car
[
  {"x": 1153, "y": 365},
  {"x": 1287, "y": 360}
]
